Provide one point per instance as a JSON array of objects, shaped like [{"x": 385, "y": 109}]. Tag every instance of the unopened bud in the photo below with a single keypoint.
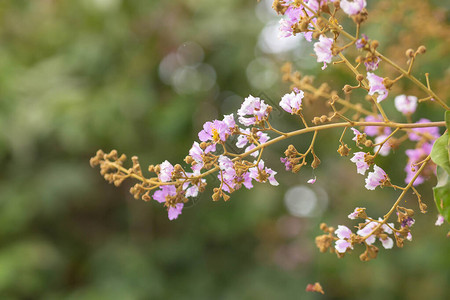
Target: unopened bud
[
  {"x": 409, "y": 53},
  {"x": 422, "y": 49},
  {"x": 374, "y": 45},
  {"x": 359, "y": 77},
  {"x": 323, "y": 118},
  {"x": 347, "y": 89},
  {"x": 368, "y": 143}
]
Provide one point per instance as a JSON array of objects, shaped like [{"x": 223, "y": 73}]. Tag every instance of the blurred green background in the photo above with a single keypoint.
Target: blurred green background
[{"x": 142, "y": 76}]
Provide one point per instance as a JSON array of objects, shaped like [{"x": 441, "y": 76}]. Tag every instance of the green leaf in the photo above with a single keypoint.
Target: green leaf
[
  {"x": 440, "y": 152},
  {"x": 442, "y": 194}
]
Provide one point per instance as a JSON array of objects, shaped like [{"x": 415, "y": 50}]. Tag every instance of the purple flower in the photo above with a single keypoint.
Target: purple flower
[
  {"x": 352, "y": 7},
  {"x": 174, "y": 212},
  {"x": 366, "y": 230},
  {"x": 387, "y": 243},
  {"x": 252, "y": 111},
  {"x": 292, "y": 102},
  {"x": 415, "y": 156},
  {"x": 343, "y": 232},
  {"x": 341, "y": 246},
  {"x": 287, "y": 164},
  {"x": 244, "y": 139},
  {"x": 354, "y": 215},
  {"x": 376, "y": 130},
  {"x": 371, "y": 63},
  {"x": 229, "y": 121},
  {"x": 361, "y": 165},
  {"x": 164, "y": 192},
  {"x": 377, "y": 86},
  {"x": 385, "y": 149},
  {"x": 431, "y": 132},
  {"x": 214, "y": 131},
  {"x": 408, "y": 222},
  {"x": 165, "y": 174},
  {"x": 322, "y": 48},
  {"x": 376, "y": 178},
  {"x": 362, "y": 41},
  {"x": 262, "y": 174},
  {"x": 439, "y": 221},
  {"x": 406, "y": 104},
  {"x": 292, "y": 15},
  {"x": 312, "y": 180},
  {"x": 356, "y": 133}
]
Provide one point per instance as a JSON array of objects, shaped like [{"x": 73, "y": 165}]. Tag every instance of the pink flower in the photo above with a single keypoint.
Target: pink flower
[
  {"x": 377, "y": 86},
  {"x": 361, "y": 165},
  {"x": 341, "y": 246},
  {"x": 414, "y": 156},
  {"x": 343, "y": 232},
  {"x": 432, "y": 132},
  {"x": 165, "y": 174},
  {"x": 356, "y": 133},
  {"x": 387, "y": 243},
  {"x": 215, "y": 131},
  {"x": 322, "y": 48},
  {"x": 312, "y": 180},
  {"x": 372, "y": 63},
  {"x": 293, "y": 16},
  {"x": 376, "y": 178},
  {"x": 362, "y": 41},
  {"x": 174, "y": 212},
  {"x": 229, "y": 121},
  {"x": 376, "y": 130},
  {"x": 262, "y": 174},
  {"x": 406, "y": 104},
  {"x": 164, "y": 192},
  {"x": 352, "y": 7},
  {"x": 439, "y": 221},
  {"x": 292, "y": 102},
  {"x": 385, "y": 149},
  {"x": 252, "y": 111},
  {"x": 354, "y": 215},
  {"x": 243, "y": 140}
]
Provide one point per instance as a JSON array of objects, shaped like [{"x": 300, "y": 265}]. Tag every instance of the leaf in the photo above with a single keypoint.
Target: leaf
[
  {"x": 442, "y": 194},
  {"x": 440, "y": 152}
]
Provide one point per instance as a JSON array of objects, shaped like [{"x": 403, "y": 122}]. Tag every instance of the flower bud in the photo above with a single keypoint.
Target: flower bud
[
  {"x": 409, "y": 53},
  {"x": 421, "y": 49},
  {"x": 359, "y": 77}
]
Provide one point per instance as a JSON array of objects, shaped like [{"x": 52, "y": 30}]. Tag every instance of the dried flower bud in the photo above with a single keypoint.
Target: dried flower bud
[
  {"x": 316, "y": 162},
  {"x": 421, "y": 49},
  {"x": 374, "y": 45},
  {"x": 316, "y": 120},
  {"x": 323, "y": 227},
  {"x": 323, "y": 118},
  {"x": 324, "y": 242},
  {"x": 368, "y": 143},
  {"x": 359, "y": 77},
  {"x": 409, "y": 53},
  {"x": 388, "y": 82},
  {"x": 343, "y": 150},
  {"x": 347, "y": 89}
]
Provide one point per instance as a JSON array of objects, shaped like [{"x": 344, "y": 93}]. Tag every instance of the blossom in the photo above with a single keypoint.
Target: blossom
[
  {"x": 343, "y": 232},
  {"x": 371, "y": 63},
  {"x": 376, "y": 130},
  {"x": 385, "y": 148},
  {"x": 229, "y": 121},
  {"x": 215, "y": 131},
  {"x": 387, "y": 243},
  {"x": 366, "y": 230},
  {"x": 361, "y": 164},
  {"x": 376, "y": 86},
  {"x": 229, "y": 178},
  {"x": 376, "y": 178},
  {"x": 352, "y": 7},
  {"x": 262, "y": 174},
  {"x": 359, "y": 211},
  {"x": 322, "y": 48},
  {"x": 165, "y": 174},
  {"x": 292, "y": 102},
  {"x": 431, "y": 132},
  {"x": 312, "y": 180},
  {"x": 360, "y": 43},
  {"x": 341, "y": 246},
  {"x": 252, "y": 111},
  {"x": 293, "y": 16},
  {"x": 414, "y": 156},
  {"x": 245, "y": 138},
  {"x": 196, "y": 153},
  {"x": 439, "y": 221},
  {"x": 164, "y": 192},
  {"x": 175, "y": 211},
  {"x": 406, "y": 104}
]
